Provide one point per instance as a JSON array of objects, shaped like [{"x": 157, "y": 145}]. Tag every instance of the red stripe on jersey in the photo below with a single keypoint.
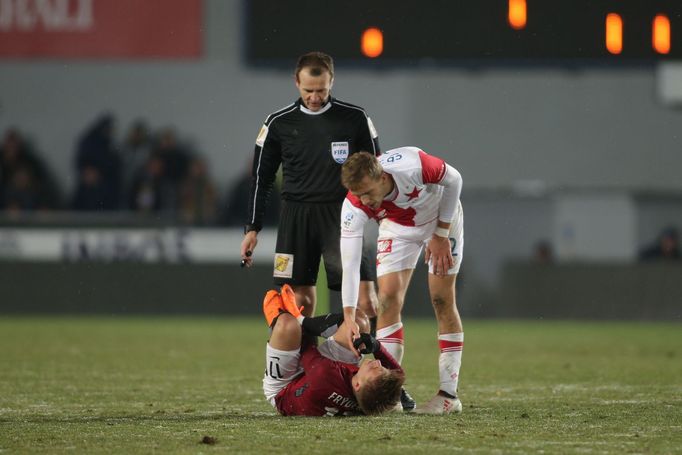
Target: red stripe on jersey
[
  {"x": 433, "y": 168},
  {"x": 387, "y": 209},
  {"x": 450, "y": 345},
  {"x": 397, "y": 214}
]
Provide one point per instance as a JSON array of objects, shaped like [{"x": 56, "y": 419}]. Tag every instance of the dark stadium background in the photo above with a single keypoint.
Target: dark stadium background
[{"x": 565, "y": 149}]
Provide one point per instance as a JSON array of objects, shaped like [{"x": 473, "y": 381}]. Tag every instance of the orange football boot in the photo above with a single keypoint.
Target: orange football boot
[
  {"x": 272, "y": 306},
  {"x": 289, "y": 301}
]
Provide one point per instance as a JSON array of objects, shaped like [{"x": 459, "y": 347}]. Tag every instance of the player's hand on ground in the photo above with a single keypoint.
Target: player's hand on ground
[
  {"x": 248, "y": 246},
  {"x": 439, "y": 253}
]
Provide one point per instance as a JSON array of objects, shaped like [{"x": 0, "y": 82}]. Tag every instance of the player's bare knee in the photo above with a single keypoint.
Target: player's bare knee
[
  {"x": 382, "y": 306},
  {"x": 389, "y": 305},
  {"x": 442, "y": 304},
  {"x": 286, "y": 324},
  {"x": 362, "y": 321}
]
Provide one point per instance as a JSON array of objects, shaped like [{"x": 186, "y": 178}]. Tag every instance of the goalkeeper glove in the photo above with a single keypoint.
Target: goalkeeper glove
[{"x": 367, "y": 344}]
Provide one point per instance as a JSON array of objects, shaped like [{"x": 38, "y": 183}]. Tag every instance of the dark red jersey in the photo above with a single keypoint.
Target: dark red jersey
[{"x": 324, "y": 388}]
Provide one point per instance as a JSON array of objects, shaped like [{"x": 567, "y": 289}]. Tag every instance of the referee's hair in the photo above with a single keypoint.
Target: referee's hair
[
  {"x": 316, "y": 62},
  {"x": 357, "y": 167}
]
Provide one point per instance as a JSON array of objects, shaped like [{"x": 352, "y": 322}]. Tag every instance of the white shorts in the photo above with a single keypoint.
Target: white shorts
[
  {"x": 282, "y": 367},
  {"x": 399, "y": 247}
]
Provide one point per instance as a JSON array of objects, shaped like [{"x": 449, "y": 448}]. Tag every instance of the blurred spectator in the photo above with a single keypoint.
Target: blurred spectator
[
  {"x": 175, "y": 158},
  {"x": 542, "y": 253},
  {"x": 98, "y": 167},
  {"x": 666, "y": 247},
  {"x": 135, "y": 152},
  {"x": 198, "y": 195},
  {"x": 25, "y": 182},
  {"x": 152, "y": 190},
  {"x": 237, "y": 201}
]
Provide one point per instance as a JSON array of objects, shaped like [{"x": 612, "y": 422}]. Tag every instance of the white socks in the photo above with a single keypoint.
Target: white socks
[
  {"x": 391, "y": 338},
  {"x": 450, "y": 360}
]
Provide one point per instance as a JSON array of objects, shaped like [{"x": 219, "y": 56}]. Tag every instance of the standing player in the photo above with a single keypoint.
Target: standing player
[
  {"x": 311, "y": 139},
  {"x": 416, "y": 198},
  {"x": 302, "y": 379}
]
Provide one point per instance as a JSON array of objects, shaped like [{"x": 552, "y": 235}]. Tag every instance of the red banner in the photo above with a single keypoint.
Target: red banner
[{"x": 101, "y": 28}]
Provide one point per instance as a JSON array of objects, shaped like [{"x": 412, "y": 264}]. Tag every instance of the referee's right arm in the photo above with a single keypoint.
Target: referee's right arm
[{"x": 266, "y": 160}]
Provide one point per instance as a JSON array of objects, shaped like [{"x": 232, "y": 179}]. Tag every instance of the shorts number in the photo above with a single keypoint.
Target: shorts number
[
  {"x": 274, "y": 367},
  {"x": 453, "y": 246},
  {"x": 394, "y": 157}
]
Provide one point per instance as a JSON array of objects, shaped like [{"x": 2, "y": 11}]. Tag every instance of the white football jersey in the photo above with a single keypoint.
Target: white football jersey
[{"x": 415, "y": 198}]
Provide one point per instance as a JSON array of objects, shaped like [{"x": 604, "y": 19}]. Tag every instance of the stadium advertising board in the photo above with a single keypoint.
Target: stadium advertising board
[
  {"x": 100, "y": 28},
  {"x": 174, "y": 245}
]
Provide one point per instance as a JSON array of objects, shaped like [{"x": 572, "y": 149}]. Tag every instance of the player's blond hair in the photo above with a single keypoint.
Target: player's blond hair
[
  {"x": 382, "y": 394},
  {"x": 357, "y": 167}
]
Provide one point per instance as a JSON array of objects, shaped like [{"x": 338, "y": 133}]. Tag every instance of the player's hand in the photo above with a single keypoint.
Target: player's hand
[
  {"x": 367, "y": 344},
  {"x": 439, "y": 253},
  {"x": 248, "y": 246},
  {"x": 348, "y": 333}
]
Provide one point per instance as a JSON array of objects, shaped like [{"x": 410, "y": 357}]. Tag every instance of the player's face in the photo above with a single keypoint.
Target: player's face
[
  {"x": 314, "y": 90},
  {"x": 370, "y": 371},
  {"x": 371, "y": 192}
]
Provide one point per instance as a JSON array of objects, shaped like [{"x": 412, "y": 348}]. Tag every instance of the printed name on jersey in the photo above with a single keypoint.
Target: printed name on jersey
[
  {"x": 342, "y": 401},
  {"x": 262, "y": 134},
  {"x": 284, "y": 265},
  {"x": 384, "y": 246},
  {"x": 340, "y": 151},
  {"x": 372, "y": 130}
]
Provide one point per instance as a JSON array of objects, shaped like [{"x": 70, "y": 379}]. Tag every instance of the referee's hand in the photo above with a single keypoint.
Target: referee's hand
[{"x": 248, "y": 246}]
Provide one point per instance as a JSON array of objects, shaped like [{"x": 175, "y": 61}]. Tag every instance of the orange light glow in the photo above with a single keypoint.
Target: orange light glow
[
  {"x": 517, "y": 14},
  {"x": 614, "y": 33},
  {"x": 372, "y": 42},
  {"x": 660, "y": 34}
]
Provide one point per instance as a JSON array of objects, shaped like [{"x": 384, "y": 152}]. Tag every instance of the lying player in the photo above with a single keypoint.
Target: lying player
[{"x": 303, "y": 379}]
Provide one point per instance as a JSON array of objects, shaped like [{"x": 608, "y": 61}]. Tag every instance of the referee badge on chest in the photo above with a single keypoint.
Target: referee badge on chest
[{"x": 340, "y": 151}]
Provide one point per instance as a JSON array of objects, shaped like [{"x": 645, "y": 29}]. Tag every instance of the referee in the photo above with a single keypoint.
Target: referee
[{"x": 311, "y": 139}]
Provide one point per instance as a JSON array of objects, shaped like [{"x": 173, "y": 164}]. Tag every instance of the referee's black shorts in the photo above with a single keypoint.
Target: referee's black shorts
[{"x": 306, "y": 232}]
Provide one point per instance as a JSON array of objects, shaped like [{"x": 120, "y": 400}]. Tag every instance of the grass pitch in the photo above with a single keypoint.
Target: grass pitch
[{"x": 161, "y": 385}]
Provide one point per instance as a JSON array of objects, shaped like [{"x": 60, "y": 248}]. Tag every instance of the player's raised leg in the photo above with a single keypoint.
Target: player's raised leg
[{"x": 282, "y": 353}]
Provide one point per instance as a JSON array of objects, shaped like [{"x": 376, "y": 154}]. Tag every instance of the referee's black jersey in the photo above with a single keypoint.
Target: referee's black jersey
[{"x": 311, "y": 147}]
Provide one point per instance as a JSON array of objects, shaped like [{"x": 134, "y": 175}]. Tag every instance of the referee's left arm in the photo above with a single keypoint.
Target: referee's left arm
[{"x": 368, "y": 138}]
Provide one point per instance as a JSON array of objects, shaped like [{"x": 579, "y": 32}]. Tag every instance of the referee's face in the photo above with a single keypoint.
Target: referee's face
[{"x": 314, "y": 90}]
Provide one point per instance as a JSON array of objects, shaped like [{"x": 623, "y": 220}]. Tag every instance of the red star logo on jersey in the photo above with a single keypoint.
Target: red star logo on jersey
[{"x": 414, "y": 194}]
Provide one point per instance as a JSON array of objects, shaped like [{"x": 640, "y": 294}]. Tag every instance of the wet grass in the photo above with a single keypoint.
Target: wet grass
[{"x": 160, "y": 385}]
